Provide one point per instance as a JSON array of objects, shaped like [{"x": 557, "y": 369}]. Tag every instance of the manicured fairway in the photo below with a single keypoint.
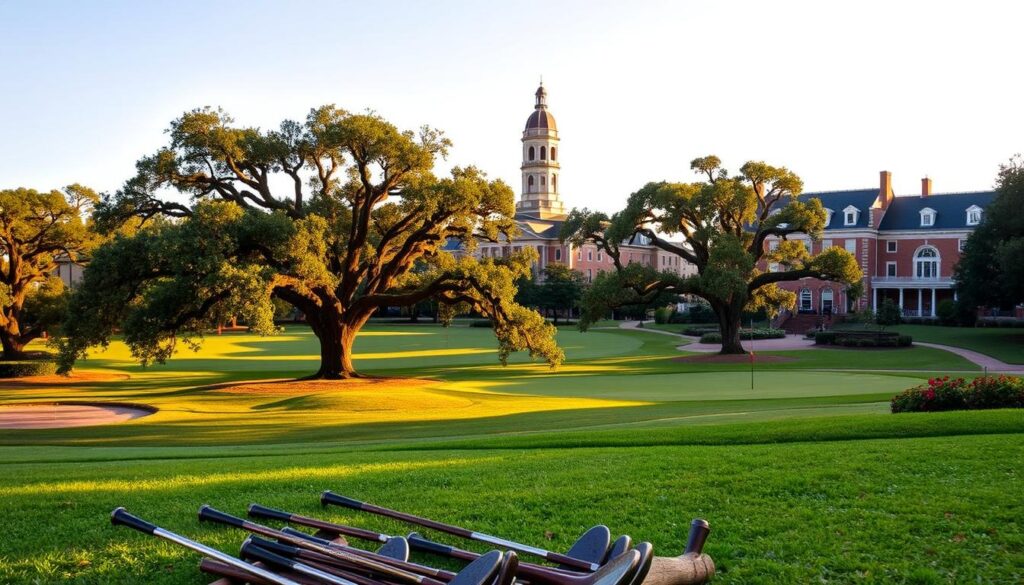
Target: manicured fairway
[{"x": 805, "y": 478}]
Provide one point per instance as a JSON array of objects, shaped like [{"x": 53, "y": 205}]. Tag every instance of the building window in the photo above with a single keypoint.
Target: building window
[
  {"x": 890, "y": 246},
  {"x": 926, "y": 263},
  {"x": 851, "y": 246},
  {"x": 828, "y": 216},
  {"x": 806, "y": 301},
  {"x": 590, "y": 274},
  {"x": 543, "y": 180},
  {"x": 850, "y": 215},
  {"x": 773, "y": 267},
  {"x": 890, "y": 269},
  {"x": 825, "y": 245},
  {"x": 927, "y": 217},
  {"x": 558, "y": 254},
  {"x": 960, "y": 244},
  {"x": 600, "y": 256},
  {"x": 590, "y": 255},
  {"x": 531, "y": 153},
  {"x": 773, "y": 245},
  {"x": 529, "y": 183},
  {"x": 826, "y": 301},
  {"x": 543, "y": 153},
  {"x": 554, "y": 178},
  {"x": 973, "y": 215},
  {"x": 554, "y": 153},
  {"x": 579, "y": 254}
]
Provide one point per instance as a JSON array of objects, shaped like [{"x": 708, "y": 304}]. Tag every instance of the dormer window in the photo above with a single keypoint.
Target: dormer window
[
  {"x": 850, "y": 215},
  {"x": 973, "y": 215},
  {"x": 828, "y": 216},
  {"x": 927, "y": 217}
]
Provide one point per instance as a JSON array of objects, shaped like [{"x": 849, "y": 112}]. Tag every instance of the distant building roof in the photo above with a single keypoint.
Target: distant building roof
[{"x": 950, "y": 211}]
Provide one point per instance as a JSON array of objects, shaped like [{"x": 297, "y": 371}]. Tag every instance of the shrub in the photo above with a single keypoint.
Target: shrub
[
  {"x": 23, "y": 368},
  {"x": 904, "y": 341},
  {"x": 824, "y": 338},
  {"x": 715, "y": 337},
  {"x": 482, "y": 323},
  {"x": 958, "y": 394},
  {"x": 663, "y": 315},
  {"x": 700, "y": 331}
]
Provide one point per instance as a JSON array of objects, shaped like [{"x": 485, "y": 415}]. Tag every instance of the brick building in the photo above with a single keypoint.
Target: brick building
[
  {"x": 906, "y": 246},
  {"x": 540, "y": 211}
]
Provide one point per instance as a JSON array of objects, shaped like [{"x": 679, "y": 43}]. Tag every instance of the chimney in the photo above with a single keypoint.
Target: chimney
[
  {"x": 885, "y": 193},
  {"x": 926, "y": 187}
]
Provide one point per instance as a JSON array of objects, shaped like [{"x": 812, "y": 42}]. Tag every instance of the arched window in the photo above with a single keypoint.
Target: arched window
[
  {"x": 529, "y": 183},
  {"x": 806, "y": 305},
  {"x": 554, "y": 152},
  {"x": 554, "y": 178},
  {"x": 531, "y": 153},
  {"x": 543, "y": 180},
  {"x": 543, "y": 152},
  {"x": 926, "y": 263}
]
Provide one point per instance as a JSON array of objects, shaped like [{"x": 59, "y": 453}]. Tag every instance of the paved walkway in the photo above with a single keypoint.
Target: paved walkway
[{"x": 792, "y": 342}]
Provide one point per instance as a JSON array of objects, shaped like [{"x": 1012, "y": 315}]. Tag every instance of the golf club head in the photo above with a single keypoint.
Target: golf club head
[
  {"x": 643, "y": 567},
  {"x": 480, "y": 571},
  {"x": 699, "y": 530},
  {"x": 617, "y": 571},
  {"x": 591, "y": 547},
  {"x": 395, "y": 548},
  {"x": 621, "y": 545},
  {"x": 507, "y": 570}
]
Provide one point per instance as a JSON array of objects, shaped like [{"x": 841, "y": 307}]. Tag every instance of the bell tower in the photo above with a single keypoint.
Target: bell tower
[{"x": 540, "y": 195}]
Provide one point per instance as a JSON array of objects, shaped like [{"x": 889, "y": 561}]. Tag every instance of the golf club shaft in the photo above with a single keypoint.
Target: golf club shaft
[
  {"x": 529, "y": 571},
  {"x": 265, "y": 512},
  {"x": 220, "y": 569},
  {"x": 208, "y": 513},
  {"x": 122, "y": 517},
  {"x": 313, "y": 559},
  {"x": 412, "y": 567},
  {"x": 334, "y": 499},
  {"x": 251, "y": 550}
]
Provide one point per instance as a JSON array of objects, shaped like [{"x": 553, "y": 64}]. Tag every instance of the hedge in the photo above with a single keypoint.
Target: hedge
[
  {"x": 23, "y": 368},
  {"x": 957, "y": 394},
  {"x": 713, "y": 336},
  {"x": 482, "y": 323},
  {"x": 862, "y": 339}
]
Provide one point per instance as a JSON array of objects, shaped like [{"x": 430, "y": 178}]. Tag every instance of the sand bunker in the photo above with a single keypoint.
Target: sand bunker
[{"x": 58, "y": 416}]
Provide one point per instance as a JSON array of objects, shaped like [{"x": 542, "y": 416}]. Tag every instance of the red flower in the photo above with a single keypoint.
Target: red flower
[{"x": 929, "y": 394}]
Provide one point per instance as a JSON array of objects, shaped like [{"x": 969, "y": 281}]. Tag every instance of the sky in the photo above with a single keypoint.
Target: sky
[{"x": 834, "y": 91}]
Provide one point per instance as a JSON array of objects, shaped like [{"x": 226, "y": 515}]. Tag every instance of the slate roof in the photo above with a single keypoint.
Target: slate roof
[
  {"x": 837, "y": 201},
  {"x": 951, "y": 211}
]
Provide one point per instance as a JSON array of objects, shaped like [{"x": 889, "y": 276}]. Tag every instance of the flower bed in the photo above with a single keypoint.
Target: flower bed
[{"x": 958, "y": 394}]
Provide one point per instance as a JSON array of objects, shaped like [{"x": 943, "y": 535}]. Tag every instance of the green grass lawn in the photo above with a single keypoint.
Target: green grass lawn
[
  {"x": 805, "y": 478},
  {"x": 1005, "y": 344}
]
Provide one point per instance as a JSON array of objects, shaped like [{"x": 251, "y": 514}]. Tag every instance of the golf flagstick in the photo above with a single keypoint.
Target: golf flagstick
[
  {"x": 120, "y": 516},
  {"x": 333, "y": 499}
]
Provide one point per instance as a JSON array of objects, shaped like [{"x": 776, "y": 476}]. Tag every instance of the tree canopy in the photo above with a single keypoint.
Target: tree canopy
[
  {"x": 338, "y": 216},
  {"x": 721, "y": 225},
  {"x": 36, "y": 230},
  {"x": 991, "y": 271}
]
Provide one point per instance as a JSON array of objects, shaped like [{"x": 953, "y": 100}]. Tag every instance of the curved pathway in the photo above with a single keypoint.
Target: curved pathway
[{"x": 792, "y": 342}]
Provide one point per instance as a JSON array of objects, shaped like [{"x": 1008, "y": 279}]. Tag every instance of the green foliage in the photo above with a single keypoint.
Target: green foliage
[
  {"x": 990, "y": 272},
  {"x": 663, "y": 315},
  {"x": 888, "y": 314},
  {"x": 715, "y": 337},
  {"x": 24, "y": 368},
  {"x": 944, "y": 393},
  {"x": 361, "y": 224},
  {"x": 723, "y": 223},
  {"x": 37, "y": 229},
  {"x": 946, "y": 311}
]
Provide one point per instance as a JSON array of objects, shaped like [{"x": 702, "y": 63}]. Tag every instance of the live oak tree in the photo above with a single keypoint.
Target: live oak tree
[
  {"x": 991, "y": 272},
  {"x": 36, "y": 229},
  {"x": 720, "y": 224},
  {"x": 338, "y": 216}
]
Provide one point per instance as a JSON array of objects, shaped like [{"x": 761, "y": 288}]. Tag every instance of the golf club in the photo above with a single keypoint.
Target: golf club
[
  {"x": 214, "y": 567},
  {"x": 252, "y": 551},
  {"x": 691, "y": 567},
  {"x": 414, "y": 567},
  {"x": 394, "y": 547},
  {"x": 331, "y": 498},
  {"x": 621, "y": 545},
  {"x": 206, "y": 513},
  {"x": 120, "y": 516},
  {"x": 549, "y": 575}
]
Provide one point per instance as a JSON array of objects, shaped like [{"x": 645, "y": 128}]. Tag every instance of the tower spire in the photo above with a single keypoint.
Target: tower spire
[{"x": 540, "y": 195}]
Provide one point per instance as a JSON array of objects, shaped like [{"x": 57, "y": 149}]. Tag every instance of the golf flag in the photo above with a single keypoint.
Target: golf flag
[{"x": 751, "y": 356}]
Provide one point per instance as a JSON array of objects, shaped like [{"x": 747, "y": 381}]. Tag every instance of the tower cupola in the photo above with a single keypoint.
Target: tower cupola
[{"x": 540, "y": 196}]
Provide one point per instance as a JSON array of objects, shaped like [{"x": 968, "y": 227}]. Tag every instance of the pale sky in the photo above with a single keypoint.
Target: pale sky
[{"x": 834, "y": 91}]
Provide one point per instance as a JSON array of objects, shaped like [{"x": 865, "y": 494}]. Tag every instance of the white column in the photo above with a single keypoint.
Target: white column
[
  {"x": 874, "y": 299},
  {"x": 901, "y": 299},
  {"x": 933, "y": 302},
  {"x": 920, "y": 300}
]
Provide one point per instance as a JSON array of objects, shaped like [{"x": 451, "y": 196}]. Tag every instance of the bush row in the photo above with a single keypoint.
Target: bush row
[
  {"x": 713, "y": 336},
  {"x": 862, "y": 339},
  {"x": 21, "y": 369},
  {"x": 958, "y": 394}
]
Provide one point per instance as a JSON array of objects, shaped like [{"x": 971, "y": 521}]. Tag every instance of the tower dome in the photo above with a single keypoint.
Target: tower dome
[{"x": 541, "y": 118}]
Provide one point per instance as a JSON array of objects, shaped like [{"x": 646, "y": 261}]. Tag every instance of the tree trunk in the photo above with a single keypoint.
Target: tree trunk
[
  {"x": 729, "y": 325},
  {"x": 336, "y": 343},
  {"x": 13, "y": 345}
]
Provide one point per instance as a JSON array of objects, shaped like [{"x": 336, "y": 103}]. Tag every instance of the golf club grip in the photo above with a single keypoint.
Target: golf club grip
[
  {"x": 421, "y": 544},
  {"x": 265, "y": 512},
  {"x": 332, "y": 498},
  {"x": 208, "y": 514},
  {"x": 121, "y": 517},
  {"x": 699, "y": 530}
]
